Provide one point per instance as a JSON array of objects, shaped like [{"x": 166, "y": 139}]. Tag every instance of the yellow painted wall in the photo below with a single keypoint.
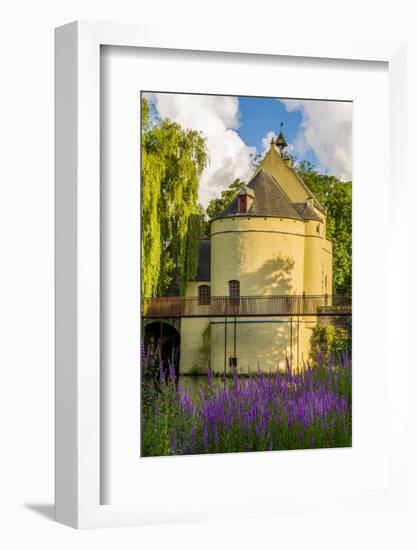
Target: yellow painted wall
[
  {"x": 195, "y": 339},
  {"x": 313, "y": 261},
  {"x": 195, "y": 345},
  {"x": 306, "y": 327},
  {"x": 262, "y": 343},
  {"x": 327, "y": 258},
  {"x": 265, "y": 254}
]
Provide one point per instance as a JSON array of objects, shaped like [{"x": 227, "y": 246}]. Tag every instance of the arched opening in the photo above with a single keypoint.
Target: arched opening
[{"x": 161, "y": 345}]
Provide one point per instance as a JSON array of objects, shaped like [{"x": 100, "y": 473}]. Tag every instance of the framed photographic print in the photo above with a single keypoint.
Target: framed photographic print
[
  {"x": 219, "y": 239},
  {"x": 246, "y": 340}
]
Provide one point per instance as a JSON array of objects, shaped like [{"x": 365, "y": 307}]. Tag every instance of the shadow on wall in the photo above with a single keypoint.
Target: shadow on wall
[
  {"x": 204, "y": 350},
  {"x": 273, "y": 277},
  {"x": 262, "y": 343},
  {"x": 265, "y": 345}
]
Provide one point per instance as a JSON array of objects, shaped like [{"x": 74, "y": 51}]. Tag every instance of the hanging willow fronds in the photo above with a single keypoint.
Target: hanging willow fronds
[{"x": 173, "y": 160}]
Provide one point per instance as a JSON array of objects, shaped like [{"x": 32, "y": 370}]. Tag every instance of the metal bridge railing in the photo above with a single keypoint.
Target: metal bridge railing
[{"x": 247, "y": 306}]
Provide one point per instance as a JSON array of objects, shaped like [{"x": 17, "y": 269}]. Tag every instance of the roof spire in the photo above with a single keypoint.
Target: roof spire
[{"x": 280, "y": 141}]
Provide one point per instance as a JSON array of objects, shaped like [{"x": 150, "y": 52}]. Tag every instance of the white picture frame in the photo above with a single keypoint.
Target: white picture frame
[{"x": 77, "y": 242}]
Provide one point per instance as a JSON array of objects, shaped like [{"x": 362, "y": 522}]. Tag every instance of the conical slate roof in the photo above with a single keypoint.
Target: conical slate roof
[
  {"x": 306, "y": 211},
  {"x": 270, "y": 200},
  {"x": 288, "y": 179}
]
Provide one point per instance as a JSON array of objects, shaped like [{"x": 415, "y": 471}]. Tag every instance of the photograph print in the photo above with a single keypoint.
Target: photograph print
[{"x": 246, "y": 274}]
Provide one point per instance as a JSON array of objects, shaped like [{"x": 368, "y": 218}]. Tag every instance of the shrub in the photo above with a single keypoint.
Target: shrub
[{"x": 329, "y": 341}]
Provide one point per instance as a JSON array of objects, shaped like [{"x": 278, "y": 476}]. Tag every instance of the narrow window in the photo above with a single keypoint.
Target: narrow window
[
  {"x": 203, "y": 295},
  {"x": 241, "y": 205},
  {"x": 234, "y": 292}
]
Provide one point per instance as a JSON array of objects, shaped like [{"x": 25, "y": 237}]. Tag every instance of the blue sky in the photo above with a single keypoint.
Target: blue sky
[
  {"x": 238, "y": 128},
  {"x": 260, "y": 115}
]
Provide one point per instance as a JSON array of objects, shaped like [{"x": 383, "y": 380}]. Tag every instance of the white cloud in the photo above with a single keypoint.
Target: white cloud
[
  {"x": 326, "y": 129},
  {"x": 266, "y": 141},
  {"x": 216, "y": 117}
]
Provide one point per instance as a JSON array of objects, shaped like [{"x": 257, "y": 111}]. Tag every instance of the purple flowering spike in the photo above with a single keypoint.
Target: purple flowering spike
[
  {"x": 209, "y": 376},
  {"x": 161, "y": 374},
  {"x": 205, "y": 439},
  {"x": 172, "y": 376}
]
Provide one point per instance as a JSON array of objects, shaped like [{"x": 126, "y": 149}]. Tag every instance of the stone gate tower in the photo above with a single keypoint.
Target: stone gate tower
[{"x": 269, "y": 241}]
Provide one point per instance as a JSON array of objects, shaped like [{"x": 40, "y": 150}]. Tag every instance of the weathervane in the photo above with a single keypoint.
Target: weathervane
[{"x": 280, "y": 141}]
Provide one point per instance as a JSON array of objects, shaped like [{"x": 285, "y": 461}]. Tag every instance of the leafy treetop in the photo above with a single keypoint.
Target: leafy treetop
[
  {"x": 216, "y": 206},
  {"x": 173, "y": 160}
]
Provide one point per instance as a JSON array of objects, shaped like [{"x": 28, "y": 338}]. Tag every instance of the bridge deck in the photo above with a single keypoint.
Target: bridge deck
[{"x": 247, "y": 306}]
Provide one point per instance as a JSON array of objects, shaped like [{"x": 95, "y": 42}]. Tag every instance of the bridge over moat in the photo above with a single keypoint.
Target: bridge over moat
[
  {"x": 248, "y": 306},
  {"x": 286, "y": 312}
]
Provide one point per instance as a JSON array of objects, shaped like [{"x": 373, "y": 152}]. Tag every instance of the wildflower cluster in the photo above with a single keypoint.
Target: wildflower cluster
[{"x": 308, "y": 408}]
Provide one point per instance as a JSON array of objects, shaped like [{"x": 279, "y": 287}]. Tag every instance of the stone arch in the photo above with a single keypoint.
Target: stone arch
[{"x": 161, "y": 345}]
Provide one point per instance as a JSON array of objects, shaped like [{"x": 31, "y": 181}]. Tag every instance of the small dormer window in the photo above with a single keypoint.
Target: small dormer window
[
  {"x": 245, "y": 198},
  {"x": 242, "y": 204}
]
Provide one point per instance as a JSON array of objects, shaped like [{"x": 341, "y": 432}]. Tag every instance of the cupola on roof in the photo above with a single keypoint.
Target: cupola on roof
[{"x": 280, "y": 141}]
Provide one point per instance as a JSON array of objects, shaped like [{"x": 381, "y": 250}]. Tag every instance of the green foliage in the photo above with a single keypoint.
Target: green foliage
[
  {"x": 160, "y": 409},
  {"x": 173, "y": 160},
  {"x": 330, "y": 341},
  {"x": 336, "y": 197},
  {"x": 216, "y": 206},
  {"x": 145, "y": 114}
]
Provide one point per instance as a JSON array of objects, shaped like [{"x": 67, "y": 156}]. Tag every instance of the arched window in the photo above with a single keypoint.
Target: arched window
[
  {"x": 234, "y": 292},
  {"x": 203, "y": 295}
]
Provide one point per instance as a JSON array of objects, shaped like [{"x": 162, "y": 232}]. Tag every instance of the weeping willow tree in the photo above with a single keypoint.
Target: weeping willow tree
[{"x": 173, "y": 160}]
